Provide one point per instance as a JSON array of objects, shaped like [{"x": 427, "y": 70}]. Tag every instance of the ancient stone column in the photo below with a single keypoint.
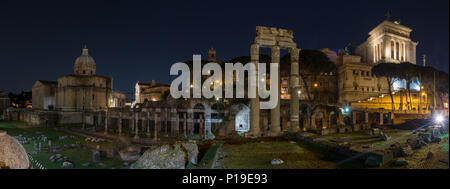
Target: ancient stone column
[
  {"x": 275, "y": 112},
  {"x": 354, "y": 117},
  {"x": 148, "y": 124},
  {"x": 174, "y": 122},
  {"x": 166, "y": 120},
  {"x": 184, "y": 124},
  {"x": 200, "y": 132},
  {"x": 313, "y": 121},
  {"x": 99, "y": 119},
  {"x": 119, "y": 123},
  {"x": 294, "y": 86},
  {"x": 136, "y": 129},
  {"x": 207, "y": 124},
  {"x": 132, "y": 121},
  {"x": 106, "y": 122},
  {"x": 155, "y": 137},
  {"x": 83, "y": 120},
  {"x": 254, "y": 102},
  {"x": 381, "y": 118},
  {"x": 191, "y": 123},
  {"x": 366, "y": 117}
]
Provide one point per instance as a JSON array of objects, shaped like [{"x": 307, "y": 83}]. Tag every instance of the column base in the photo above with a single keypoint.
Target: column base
[{"x": 274, "y": 134}]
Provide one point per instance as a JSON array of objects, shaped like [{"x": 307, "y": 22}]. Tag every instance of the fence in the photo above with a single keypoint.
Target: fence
[{"x": 37, "y": 164}]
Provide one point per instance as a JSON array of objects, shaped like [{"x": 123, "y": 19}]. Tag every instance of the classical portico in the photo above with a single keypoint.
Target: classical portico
[{"x": 275, "y": 39}]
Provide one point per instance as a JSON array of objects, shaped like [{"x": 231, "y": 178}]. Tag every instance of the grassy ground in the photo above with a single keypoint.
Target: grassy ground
[
  {"x": 77, "y": 156},
  {"x": 255, "y": 154},
  {"x": 360, "y": 138}
]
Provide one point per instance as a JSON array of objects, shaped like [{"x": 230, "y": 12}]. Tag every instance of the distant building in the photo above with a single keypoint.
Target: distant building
[
  {"x": 388, "y": 42},
  {"x": 4, "y": 103},
  {"x": 44, "y": 94},
  {"x": 150, "y": 91},
  {"x": 83, "y": 90}
]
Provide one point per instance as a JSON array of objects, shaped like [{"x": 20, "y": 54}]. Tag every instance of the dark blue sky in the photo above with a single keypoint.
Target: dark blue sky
[{"x": 140, "y": 40}]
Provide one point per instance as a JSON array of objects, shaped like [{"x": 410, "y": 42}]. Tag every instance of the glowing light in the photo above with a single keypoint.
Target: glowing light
[
  {"x": 316, "y": 85},
  {"x": 439, "y": 118},
  {"x": 192, "y": 86},
  {"x": 423, "y": 93}
]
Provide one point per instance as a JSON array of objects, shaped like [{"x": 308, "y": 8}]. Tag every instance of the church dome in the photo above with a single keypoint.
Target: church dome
[
  {"x": 12, "y": 153},
  {"x": 84, "y": 64}
]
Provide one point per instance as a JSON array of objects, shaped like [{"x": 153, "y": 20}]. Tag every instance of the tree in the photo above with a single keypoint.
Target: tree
[
  {"x": 390, "y": 71},
  {"x": 409, "y": 72},
  {"x": 312, "y": 63},
  {"x": 435, "y": 82}
]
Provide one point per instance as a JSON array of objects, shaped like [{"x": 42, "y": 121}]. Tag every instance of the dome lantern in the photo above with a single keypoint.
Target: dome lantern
[{"x": 84, "y": 64}]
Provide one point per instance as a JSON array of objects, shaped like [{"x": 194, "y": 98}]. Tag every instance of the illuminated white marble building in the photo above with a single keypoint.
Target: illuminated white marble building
[{"x": 388, "y": 42}]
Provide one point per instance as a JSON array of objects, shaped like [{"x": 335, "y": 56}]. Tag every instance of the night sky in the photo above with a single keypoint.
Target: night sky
[{"x": 139, "y": 41}]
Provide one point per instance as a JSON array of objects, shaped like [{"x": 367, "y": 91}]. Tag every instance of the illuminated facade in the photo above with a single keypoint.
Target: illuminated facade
[
  {"x": 388, "y": 42},
  {"x": 150, "y": 91},
  {"x": 83, "y": 90}
]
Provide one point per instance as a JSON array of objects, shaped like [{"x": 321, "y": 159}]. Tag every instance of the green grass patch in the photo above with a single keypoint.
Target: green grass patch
[
  {"x": 258, "y": 155},
  {"x": 77, "y": 156}
]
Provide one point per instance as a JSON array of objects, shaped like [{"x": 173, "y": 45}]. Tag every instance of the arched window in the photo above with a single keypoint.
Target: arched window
[
  {"x": 379, "y": 52},
  {"x": 392, "y": 49},
  {"x": 397, "y": 49}
]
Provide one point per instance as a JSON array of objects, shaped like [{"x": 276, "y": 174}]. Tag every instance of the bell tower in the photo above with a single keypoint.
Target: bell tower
[{"x": 212, "y": 55}]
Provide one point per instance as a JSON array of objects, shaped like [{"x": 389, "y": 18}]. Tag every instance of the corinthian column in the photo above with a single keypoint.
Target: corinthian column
[
  {"x": 254, "y": 102},
  {"x": 106, "y": 122},
  {"x": 294, "y": 86},
  {"x": 275, "y": 112},
  {"x": 155, "y": 128},
  {"x": 119, "y": 122},
  {"x": 136, "y": 128},
  {"x": 148, "y": 124}
]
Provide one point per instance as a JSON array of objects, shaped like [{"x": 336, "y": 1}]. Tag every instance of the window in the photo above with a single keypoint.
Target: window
[
  {"x": 392, "y": 49},
  {"x": 367, "y": 73},
  {"x": 93, "y": 97},
  {"x": 356, "y": 88},
  {"x": 362, "y": 88},
  {"x": 397, "y": 51},
  {"x": 84, "y": 72}
]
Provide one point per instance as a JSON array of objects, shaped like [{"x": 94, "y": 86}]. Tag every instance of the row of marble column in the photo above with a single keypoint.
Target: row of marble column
[
  {"x": 275, "y": 128},
  {"x": 159, "y": 117}
]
